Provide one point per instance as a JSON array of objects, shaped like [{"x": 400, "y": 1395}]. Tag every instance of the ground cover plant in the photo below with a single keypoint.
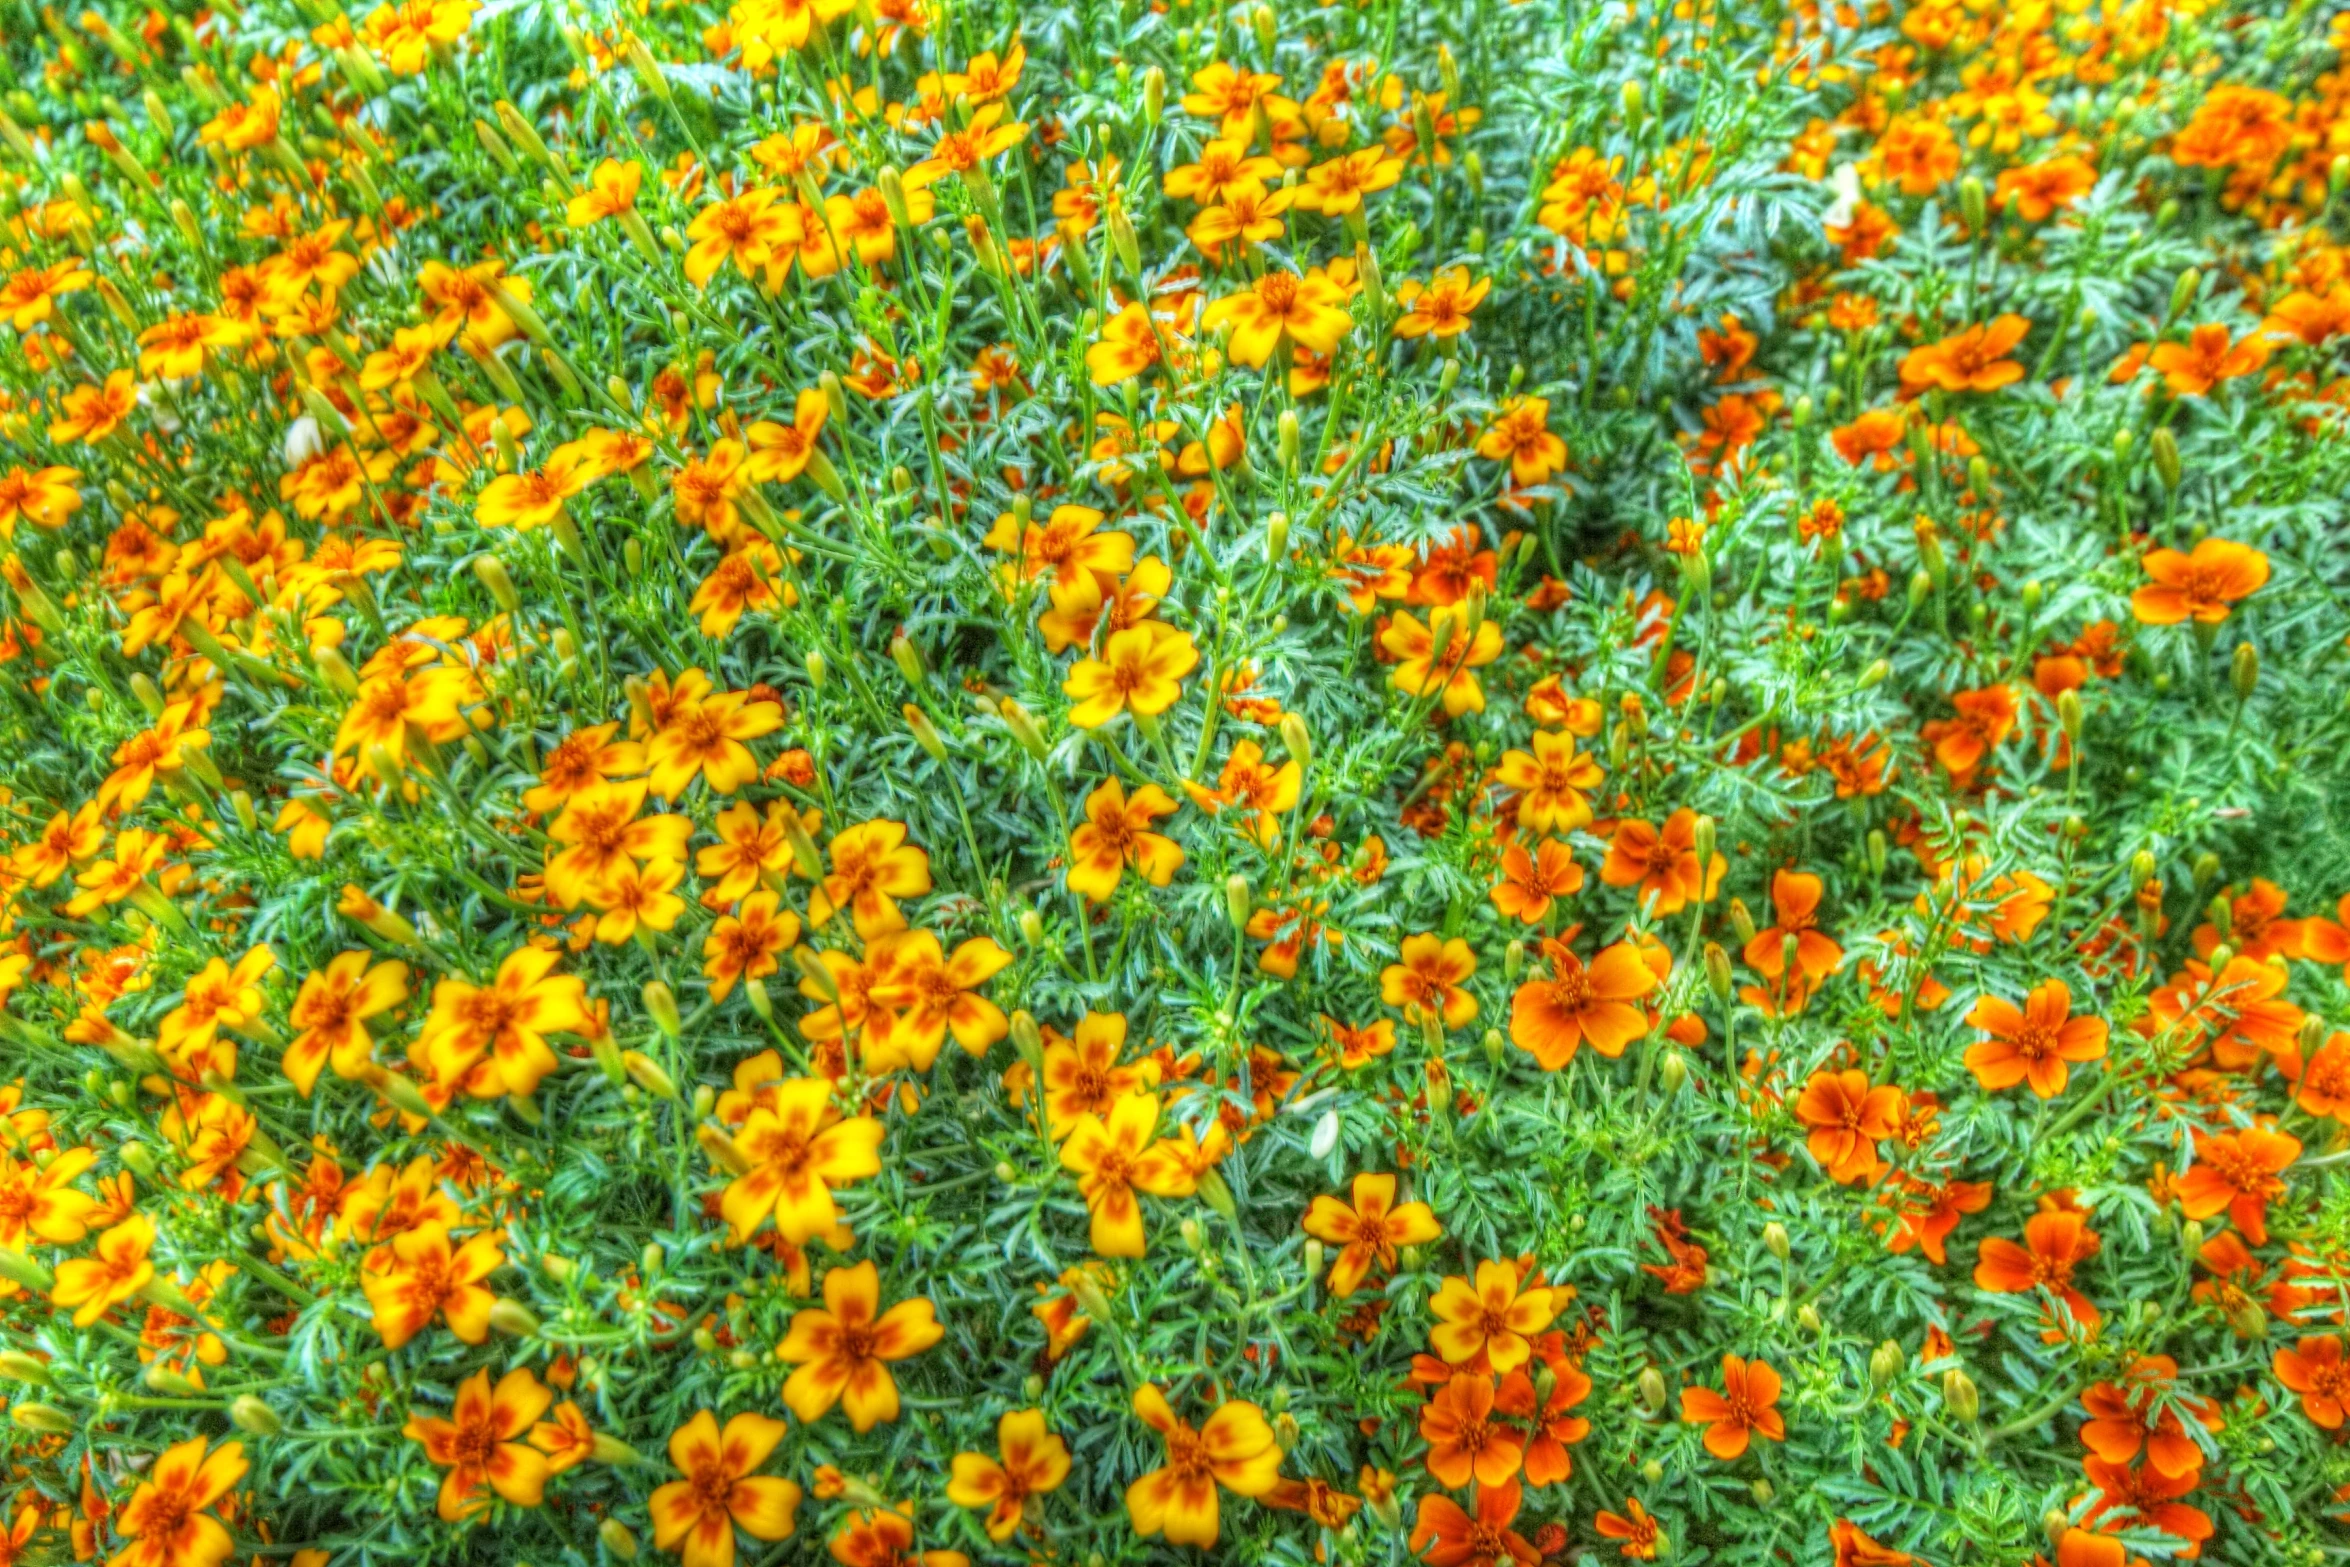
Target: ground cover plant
[{"x": 901, "y": 782}]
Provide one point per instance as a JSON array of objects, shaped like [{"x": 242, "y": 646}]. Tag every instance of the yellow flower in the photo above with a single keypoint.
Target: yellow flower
[
  {"x": 1281, "y": 306},
  {"x": 611, "y": 191},
  {"x": 1140, "y": 668},
  {"x": 1234, "y": 1450}
]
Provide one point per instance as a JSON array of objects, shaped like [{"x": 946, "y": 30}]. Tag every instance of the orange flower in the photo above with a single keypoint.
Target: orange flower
[
  {"x": 931, "y": 994},
  {"x": 1436, "y": 658},
  {"x": 1308, "y": 312},
  {"x": 1855, "y": 1549},
  {"x": 799, "y": 1148},
  {"x": 743, "y": 945},
  {"x": 1551, "y": 781},
  {"x": 1973, "y": 360},
  {"x": 1492, "y": 1317},
  {"x": 884, "y": 1537},
  {"x": 1740, "y": 1412},
  {"x": 2208, "y": 358},
  {"x": 2036, "y": 190},
  {"x": 418, "y": 1277},
  {"x": 2315, "y": 1370},
  {"x": 1551, "y": 1018},
  {"x": 697, "y": 1516},
  {"x": 1033, "y": 1462},
  {"x": 1662, "y": 863},
  {"x": 1984, "y": 720},
  {"x": 1235, "y": 1450},
  {"x": 492, "y": 1038},
  {"x": 1115, "y": 1159},
  {"x": 1446, "y": 1536},
  {"x": 1638, "y": 1531},
  {"x": 843, "y": 1351},
  {"x": 1116, "y": 834},
  {"x": 1141, "y": 668},
  {"x": 1795, "y": 895},
  {"x": 2200, "y": 586},
  {"x": 1848, "y": 1119},
  {"x": 1427, "y": 981},
  {"x": 2055, "y": 1243},
  {"x": 704, "y": 738},
  {"x": 2142, "y": 1412},
  {"x": 165, "y": 1522},
  {"x": 482, "y": 1444},
  {"x": 95, "y": 1285},
  {"x": 1520, "y": 436},
  {"x": 1464, "y": 1441},
  {"x": 2238, "y": 1171},
  {"x": 1368, "y": 1233},
  {"x": 331, "y": 1012},
  {"x": 1530, "y": 882},
  {"x": 1551, "y": 1429},
  {"x": 2033, "y": 1044},
  {"x": 872, "y": 867}
]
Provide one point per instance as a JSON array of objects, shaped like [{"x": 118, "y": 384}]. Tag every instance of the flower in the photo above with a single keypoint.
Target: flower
[
  {"x": 1116, "y": 834},
  {"x": 747, "y": 228},
  {"x": 799, "y": 1148},
  {"x": 1368, "y": 1233},
  {"x": 2143, "y": 1412},
  {"x": 1435, "y": 659},
  {"x": 1115, "y": 1159},
  {"x": 2033, "y": 1044},
  {"x": 1427, "y": 980},
  {"x": 120, "y": 1269},
  {"x": 1848, "y": 1118},
  {"x": 2055, "y": 1243},
  {"x": 1520, "y": 436},
  {"x": 704, "y": 737},
  {"x": 1551, "y": 781},
  {"x": 1464, "y": 1442},
  {"x": 1141, "y": 668},
  {"x": 492, "y": 1038},
  {"x": 1855, "y": 1549},
  {"x": 884, "y": 1537},
  {"x": 1530, "y": 883},
  {"x": 611, "y": 191},
  {"x": 2314, "y": 1369},
  {"x": 331, "y": 1011},
  {"x": 46, "y": 497},
  {"x": 166, "y": 1523},
  {"x": 872, "y": 867},
  {"x": 2207, "y": 358},
  {"x": 842, "y": 1352},
  {"x": 931, "y": 994},
  {"x": 1442, "y": 306},
  {"x": 1972, "y": 360},
  {"x": 1496, "y": 1317},
  {"x": 1032, "y": 1462},
  {"x": 743, "y": 945},
  {"x": 418, "y": 1277},
  {"x": 1634, "y": 1527},
  {"x": 2239, "y": 1172},
  {"x": 2201, "y": 586},
  {"x": 1551, "y": 1018},
  {"x": 1740, "y": 1412},
  {"x": 1234, "y": 1450},
  {"x": 1662, "y": 863},
  {"x": 1551, "y": 1429},
  {"x": 1281, "y": 308},
  {"x": 697, "y": 1516},
  {"x": 480, "y": 1445},
  {"x": 1795, "y": 896}
]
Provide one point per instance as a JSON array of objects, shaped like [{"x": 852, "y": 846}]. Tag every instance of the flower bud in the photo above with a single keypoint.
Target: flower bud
[
  {"x": 816, "y": 668},
  {"x": 1807, "y": 1317},
  {"x": 1652, "y": 1389},
  {"x": 1774, "y": 1238},
  {"x": 20, "y": 1269},
  {"x": 649, "y": 1076},
  {"x": 1276, "y": 538},
  {"x": 1673, "y": 1073},
  {"x": 2206, "y": 872},
  {"x": 806, "y": 859},
  {"x": 1323, "y": 1141},
  {"x": 1885, "y": 1363},
  {"x": 618, "y": 1539},
  {"x": 721, "y": 1149},
  {"x": 1971, "y": 204},
  {"x": 1960, "y": 1397},
  {"x": 491, "y": 572},
  {"x": 925, "y": 732},
  {"x": 1493, "y": 1048},
  {"x": 2244, "y": 671},
  {"x": 1124, "y": 241},
  {"x": 1239, "y": 900},
  {"x": 661, "y": 1007},
  {"x": 1717, "y": 970},
  {"x": 250, "y": 1414},
  {"x": 2183, "y": 293},
  {"x": 1154, "y": 96},
  {"x": 2164, "y": 448},
  {"x": 1741, "y": 922},
  {"x": 1028, "y": 1040},
  {"x": 42, "y": 1419},
  {"x": 17, "y": 1366},
  {"x": 1513, "y": 960},
  {"x": 161, "y": 1378},
  {"x": 2069, "y": 716},
  {"x": 1023, "y": 727}
]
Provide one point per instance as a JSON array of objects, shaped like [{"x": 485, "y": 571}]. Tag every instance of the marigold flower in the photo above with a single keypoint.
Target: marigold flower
[
  {"x": 1141, "y": 668},
  {"x": 611, "y": 191},
  {"x": 481, "y": 1444},
  {"x": 872, "y": 868},
  {"x": 930, "y": 994},
  {"x": 1551, "y": 781},
  {"x": 2055, "y": 1243},
  {"x": 1436, "y": 659},
  {"x": 2207, "y": 358},
  {"x": 2201, "y": 586},
  {"x": 743, "y": 945},
  {"x": 1368, "y": 1233},
  {"x": 1428, "y": 980},
  {"x": 1972, "y": 360},
  {"x": 2142, "y": 1411},
  {"x": 331, "y": 1011},
  {"x": 166, "y": 1523},
  {"x": 2032, "y": 1044},
  {"x": 1531, "y": 882},
  {"x": 1848, "y": 1118},
  {"x": 1740, "y": 1412},
  {"x": 1442, "y": 306},
  {"x": 1032, "y": 1461},
  {"x": 2240, "y": 1172},
  {"x": 1634, "y": 1527},
  {"x": 721, "y": 1492},
  {"x": 1114, "y": 1159},
  {"x": 1234, "y": 1450},
  {"x": 1551, "y": 1018},
  {"x": 418, "y": 1276},
  {"x": 799, "y": 1148},
  {"x": 1116, "y": 834},
  {"x": 1464, "y": 1441},
  {"x": 493, "y": 1038},
  {"x": 1551, "y": 1428},
  {"x": 1520, "y": 436},
  {"x": 1496, "y": 1317},
  {"x": 117, "y": 1271},
  {"x": 843, "y": 1351},
  {"x": 1281, "y": 307}
]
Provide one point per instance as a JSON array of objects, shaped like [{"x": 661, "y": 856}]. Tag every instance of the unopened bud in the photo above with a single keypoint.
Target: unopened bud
[
  {"x": 2244, "y": 671},
  {"x": 17, "y": 1366},
  {"x": 2069, "y": 715},
  {"x": 1971, "y": 203},
  {"x": 2163, "y": 447},
  {"x": 1741, "y": 922},
  {"x": 618, "y": 1539},
  {"x": 2183, "y": 293},
  {"x": 1960, "y": 1397},
  {"x": 491, "y": 572},
  {"x": 1885, "y": 1363},
  {"x": 250, "y": 1414},
  {"x": 42, "y": 1419},
  {"x": 661, "y": 1006},
  {"x": 649, "y": 1075},
  {"x": 925, "y": 732},
  {"x": 1652, "y": 1389},
  {"x": 1717, "y": 970},
  {"x": 1239, "y": 900},
  {"x": 1023, "y": 727},
  {"x": 1673, "y": 1073},
  {"x": 1774, "y": 1238}
]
